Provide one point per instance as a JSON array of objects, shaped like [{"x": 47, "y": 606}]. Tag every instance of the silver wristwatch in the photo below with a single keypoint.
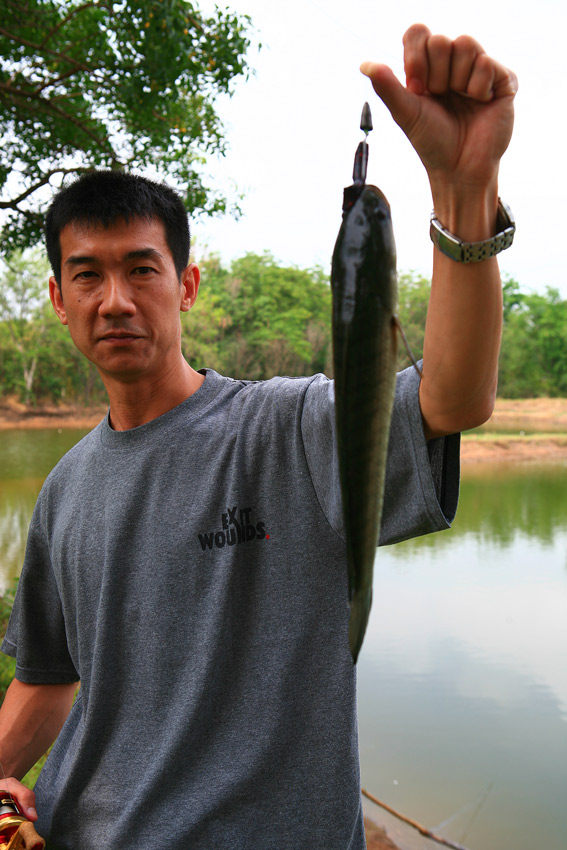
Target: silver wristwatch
[{"x": 475, "y": 252}]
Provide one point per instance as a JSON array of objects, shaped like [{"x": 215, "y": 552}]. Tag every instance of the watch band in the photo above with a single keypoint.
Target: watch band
[{"x": 475, "y": 252}]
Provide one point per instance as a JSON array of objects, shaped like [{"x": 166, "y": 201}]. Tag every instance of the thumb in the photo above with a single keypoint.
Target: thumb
[{"x": 400, "y": 101}]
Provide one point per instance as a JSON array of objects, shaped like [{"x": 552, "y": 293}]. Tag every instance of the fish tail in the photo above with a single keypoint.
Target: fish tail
[{"x": 359, "y": 612}]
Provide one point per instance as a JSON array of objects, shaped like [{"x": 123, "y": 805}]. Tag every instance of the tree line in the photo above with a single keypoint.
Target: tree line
[
  {"x": 254, "y": 319},
  {"x": 83, "y": 85}
]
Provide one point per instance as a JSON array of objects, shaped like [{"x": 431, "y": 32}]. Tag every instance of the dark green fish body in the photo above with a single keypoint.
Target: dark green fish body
[{"x": 365, "y": 296}]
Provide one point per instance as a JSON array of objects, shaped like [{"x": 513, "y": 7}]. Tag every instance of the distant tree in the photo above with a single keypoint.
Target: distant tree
[
  {"x": 110, "y": 84},
  {"x": 22, "y": 296},
  {"x": 63, "y": 374},
  {"x": 258, "y": 319},
  {"x": 534, "y": 337},
  {"x": 534, "y": 342},
  {"x": 413, "y": 293}
]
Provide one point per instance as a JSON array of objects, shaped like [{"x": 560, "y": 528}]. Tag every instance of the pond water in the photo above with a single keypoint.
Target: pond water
[
  {"x": 26, "y": 458},
  {"x": 463, "y": 675},
  {"x": 462, "y": 678}
]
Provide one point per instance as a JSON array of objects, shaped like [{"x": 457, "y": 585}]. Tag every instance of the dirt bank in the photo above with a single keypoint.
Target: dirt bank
[
  {"x": 13, "y": 414},
  {"x": 548, "y": 416},
  {"x": 520, "y": 418},
  {"x": 534, "y": 414},
  {"x": 535, "y": 448},
  {"x": 376, "y": 838}
]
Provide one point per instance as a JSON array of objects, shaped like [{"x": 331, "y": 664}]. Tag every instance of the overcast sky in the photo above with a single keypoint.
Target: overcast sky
[{"x": 293, "y": 129}]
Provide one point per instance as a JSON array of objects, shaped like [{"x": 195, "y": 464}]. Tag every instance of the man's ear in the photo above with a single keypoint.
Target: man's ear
[
  {"x": 190, "y": 278},
  {"x": 57, "y": 300}
]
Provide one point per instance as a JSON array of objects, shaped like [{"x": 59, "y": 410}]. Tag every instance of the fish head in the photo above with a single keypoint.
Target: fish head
[{"x": 365, "y": 254}]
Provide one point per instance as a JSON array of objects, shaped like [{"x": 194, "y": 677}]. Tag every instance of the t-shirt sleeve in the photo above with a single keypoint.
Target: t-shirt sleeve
[
  {"x": 422, "y": 478},
  {"x": 35, "y": 636}
]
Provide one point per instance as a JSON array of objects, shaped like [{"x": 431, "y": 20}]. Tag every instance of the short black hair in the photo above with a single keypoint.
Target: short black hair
[{"x": 100, "y": 198}]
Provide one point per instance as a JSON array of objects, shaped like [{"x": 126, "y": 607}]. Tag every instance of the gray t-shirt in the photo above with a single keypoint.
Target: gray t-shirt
[{"x": 191, "y": 572}]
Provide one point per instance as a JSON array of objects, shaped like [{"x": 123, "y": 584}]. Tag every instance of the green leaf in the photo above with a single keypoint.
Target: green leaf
[{"x": 111, "y": 85}]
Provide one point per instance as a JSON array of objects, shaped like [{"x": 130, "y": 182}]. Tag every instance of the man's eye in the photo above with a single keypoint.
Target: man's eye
[
  {"x": 86, "y": 275},
  {"x": 143, "y": 270}
]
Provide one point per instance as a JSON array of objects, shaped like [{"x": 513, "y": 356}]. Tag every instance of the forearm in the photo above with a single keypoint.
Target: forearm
[
  {"x": 31, "y": 717},
  {"x": 457, "y": 111},
  {"x": 464, "y": 320}
]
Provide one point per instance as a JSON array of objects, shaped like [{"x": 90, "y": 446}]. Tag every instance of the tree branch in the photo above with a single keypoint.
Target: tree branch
[
  {"x": 56, "y": 81},
  {"x": 7, "y": 205},
  {"x": 421, "y": 829},
  {"x": 68, "y": 17},
  {"x": 48, "y": 107},
  {"x": 61, "y": 56}
]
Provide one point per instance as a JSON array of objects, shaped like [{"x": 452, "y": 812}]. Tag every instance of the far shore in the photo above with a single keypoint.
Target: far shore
[
  {"x": 536, "y": 429},
  {"x": 536, "y": 432},
  {"x": 14, "y": 415}
]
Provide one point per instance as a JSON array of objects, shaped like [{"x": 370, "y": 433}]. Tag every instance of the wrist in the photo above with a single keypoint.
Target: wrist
[
  {"x": 468, "y": 211},
  {"x": 478, "y": 251}
]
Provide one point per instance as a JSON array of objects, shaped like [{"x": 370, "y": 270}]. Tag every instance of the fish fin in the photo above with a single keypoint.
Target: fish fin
[
  {"x": 359, "y": 612},
  {"x": 401, "y": 331}
]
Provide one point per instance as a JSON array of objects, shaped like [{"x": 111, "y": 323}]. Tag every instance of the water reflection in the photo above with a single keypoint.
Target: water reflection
[
  {"x": 17, "y": 499},
  {"x": 26, "y": 458},
  {"x": 499, "y": 502},
  {"x": 463, "y": 675},
  {"x": 433, "y": 743},
  {"x": 33, "y": 453}
]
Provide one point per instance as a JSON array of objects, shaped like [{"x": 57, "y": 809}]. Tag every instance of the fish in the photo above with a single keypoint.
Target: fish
[{"x": 364, "y": 332}]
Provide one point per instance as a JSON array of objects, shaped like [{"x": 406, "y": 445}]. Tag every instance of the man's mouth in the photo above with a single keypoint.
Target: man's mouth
[{"x": 117, "y": 336}]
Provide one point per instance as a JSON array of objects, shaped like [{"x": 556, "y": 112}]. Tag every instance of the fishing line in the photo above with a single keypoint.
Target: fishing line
[
  {"x": 5, "y": 784},
  {"x": 466, "y": 808},
  {"x": 399, "y": 328},
  {"x": 477, "y": 810}
]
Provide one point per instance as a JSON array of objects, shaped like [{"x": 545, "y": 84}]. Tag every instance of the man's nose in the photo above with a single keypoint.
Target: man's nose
[{"x": 117, "y": 297}]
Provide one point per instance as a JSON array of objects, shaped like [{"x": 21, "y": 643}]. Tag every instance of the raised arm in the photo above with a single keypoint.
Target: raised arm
[
  {"x": 457, "y": 111},
  {"x": 31, "y": 717}
]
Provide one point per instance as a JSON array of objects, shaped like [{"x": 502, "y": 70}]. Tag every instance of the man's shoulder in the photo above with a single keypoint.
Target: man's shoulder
[
  {"x": 278, "y": 389},
  {"x": 277, "y": 383},
  {"x": 280, "y": 402}
]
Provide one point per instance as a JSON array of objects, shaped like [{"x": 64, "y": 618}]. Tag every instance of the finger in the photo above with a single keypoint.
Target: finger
[
  {"x": 439, "y": 50},
  {"x": 464, "y": 55},
  {"x": 416, "y": 63},
  {"x": 489, "y": 80},
  {"x": 505, "y": 81},
  {"x": 481, "y": 81},
  {"x": 394, "y": 95}
]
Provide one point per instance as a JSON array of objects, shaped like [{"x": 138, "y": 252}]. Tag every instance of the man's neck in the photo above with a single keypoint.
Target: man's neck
[{"x": 135, "y": 403}]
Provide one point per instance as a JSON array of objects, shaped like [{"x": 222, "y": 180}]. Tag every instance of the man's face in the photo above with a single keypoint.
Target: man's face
[{"x": 121, "y": 297}]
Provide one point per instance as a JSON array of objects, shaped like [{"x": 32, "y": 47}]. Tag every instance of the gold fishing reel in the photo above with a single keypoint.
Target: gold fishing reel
[{"x": 16, "y": 831}]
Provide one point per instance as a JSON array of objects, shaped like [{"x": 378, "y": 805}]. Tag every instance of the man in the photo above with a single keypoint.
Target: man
[{"x": 185, "y": 561}]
